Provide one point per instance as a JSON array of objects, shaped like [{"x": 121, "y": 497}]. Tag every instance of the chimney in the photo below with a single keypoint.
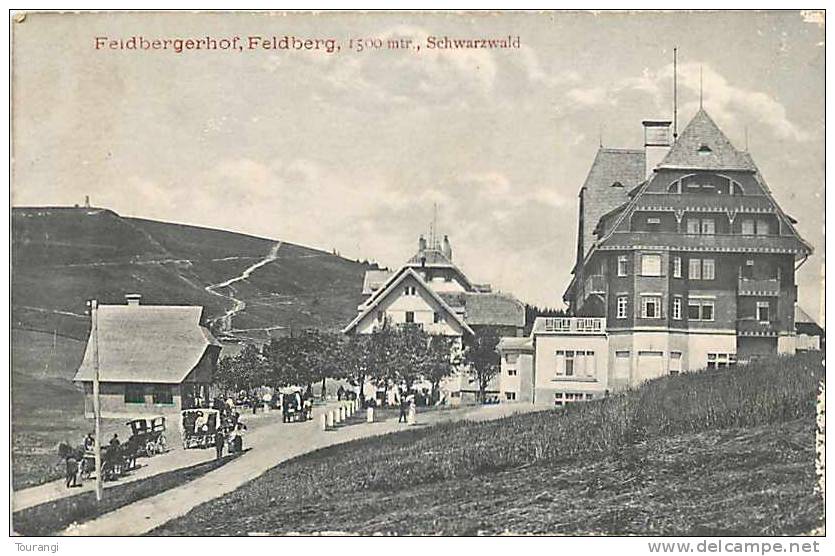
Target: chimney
[
  {"x": 447, "y": 248},
  {"x": 133, "y": 299},
  {"x": 656, "y": 143},
  {"x": 421, "y": 244}
]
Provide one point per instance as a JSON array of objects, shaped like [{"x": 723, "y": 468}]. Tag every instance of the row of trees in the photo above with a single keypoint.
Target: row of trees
[{"x": 389, "y": 356}]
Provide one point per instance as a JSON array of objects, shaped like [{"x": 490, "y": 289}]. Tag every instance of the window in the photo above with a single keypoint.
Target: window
[
  {"x": 653, "y": 221},
  {"x": 762, "y": 228},
  {"x": 511, "y": 372},
  {"x": 437, "y": 318},
  {"x": 763, "y": 308},
  {"x": 564, "y": 398},
  {"x": 720, "y": 360},
  {"x": 700, "y": 309},
  {"x": 694, "y": 310},
  {"x": 677, "y": 267},
  {"x": 675, "y": 362},
  {"x": 747, "y": 227},
  {"x": 569, "y": 363},
  {"x": 511, "y": 357},
  {"x": 708, "y": 226},
  {"x": 694, "y": 269},
  {"x": 622, "y": 266},
  {"x": 134, "y": 393},
  {"x": 650, "y": 265},
  {"x": 163, "y": 394},
  {"x": 708, "y": 269},
  {"x": 701, "y": 269},
  {"x": 410, "y": 290},
  {"x": 622, "y": 302},
  {"x": 651, "y": 307},
  {"x": 410, "y": 316},
  {"x": 510, "y": 396},
  {"x": 573, "y": 363},
  {"x": 693, "y": 226},
  {"x": 677, "y": 307}
]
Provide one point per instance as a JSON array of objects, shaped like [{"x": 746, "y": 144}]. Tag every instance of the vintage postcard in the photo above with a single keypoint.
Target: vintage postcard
[{"x": 419, "y": 273}]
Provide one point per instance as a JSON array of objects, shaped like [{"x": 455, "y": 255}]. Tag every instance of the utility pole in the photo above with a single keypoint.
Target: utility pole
[
  {"x": 94, "y": 308},
  {"x": 675, "y": 93}
]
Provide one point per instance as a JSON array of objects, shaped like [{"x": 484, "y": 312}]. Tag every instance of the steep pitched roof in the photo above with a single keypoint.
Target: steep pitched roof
[
  {"x": 434, "y": 257},
  {"x": 391, "y": 286},
  {"x": 148, "y": 343},
  {"x": 703, "y": 146},
  {"x": 374, "y": 279},
  {"x": 487, "y": 309},
  {"x": 612, "y": 175}
]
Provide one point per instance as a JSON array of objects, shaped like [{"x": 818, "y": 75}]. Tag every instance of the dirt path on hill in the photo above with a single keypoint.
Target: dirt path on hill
[
  {"x": 271, "y": 445},
  {"x": 238, "y": 304}
]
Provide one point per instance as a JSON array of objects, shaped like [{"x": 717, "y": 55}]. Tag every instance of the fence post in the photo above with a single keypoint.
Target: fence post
[
  {"x": 330, "y": 419},
  {"x": 369, "y": 415},
  {"x": 324, "y": 422}
]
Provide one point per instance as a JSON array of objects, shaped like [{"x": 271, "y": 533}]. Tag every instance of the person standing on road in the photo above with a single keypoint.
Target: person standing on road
[
  {"x": 220, "y": 439},
  {"x": 404, "y": 407}
]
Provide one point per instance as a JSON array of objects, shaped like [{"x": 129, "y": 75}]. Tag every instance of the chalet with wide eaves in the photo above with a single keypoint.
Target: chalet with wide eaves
[{"x": 691, "y": 264}]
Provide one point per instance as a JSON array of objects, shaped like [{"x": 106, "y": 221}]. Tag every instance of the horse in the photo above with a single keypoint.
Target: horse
[{"x": 73, "y": 461}]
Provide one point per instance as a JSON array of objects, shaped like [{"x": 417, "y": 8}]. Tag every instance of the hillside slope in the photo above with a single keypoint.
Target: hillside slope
[
  {"x": 61, "y": 257},
  {"x": 726, "y": 452}
]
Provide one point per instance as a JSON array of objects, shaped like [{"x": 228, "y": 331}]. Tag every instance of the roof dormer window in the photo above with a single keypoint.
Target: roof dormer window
[
  {"x": 617, "y": 184},
  {"x": 704, "y": 150}
]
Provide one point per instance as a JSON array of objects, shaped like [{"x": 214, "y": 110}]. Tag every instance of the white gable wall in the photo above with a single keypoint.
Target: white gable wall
[{"x": 395, "y": 304}]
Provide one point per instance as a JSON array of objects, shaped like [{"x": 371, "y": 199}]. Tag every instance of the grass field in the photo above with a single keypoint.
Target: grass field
[{"x": 722, "y": 452}]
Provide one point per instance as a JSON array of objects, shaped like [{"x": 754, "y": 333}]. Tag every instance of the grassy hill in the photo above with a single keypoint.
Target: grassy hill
[
  {"x": 61, "y": 257},
  {"x": 727, "y": 452}
]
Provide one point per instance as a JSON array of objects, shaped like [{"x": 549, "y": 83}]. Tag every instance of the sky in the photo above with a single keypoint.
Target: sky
[{"x": 350, "y": 150}]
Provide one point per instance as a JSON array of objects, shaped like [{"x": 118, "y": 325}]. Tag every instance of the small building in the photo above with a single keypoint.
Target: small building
[
  {"x": 515, "y": 378},
  {"x": 152, "y": 359},
  {"x": 810, "y": 335}
]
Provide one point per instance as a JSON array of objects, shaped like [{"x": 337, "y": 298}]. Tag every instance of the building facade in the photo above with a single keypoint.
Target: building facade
[
  {"x": 152, "y": 360},
  {"x": 691, "y": 267},
  {"x": 429, "y": 291}
]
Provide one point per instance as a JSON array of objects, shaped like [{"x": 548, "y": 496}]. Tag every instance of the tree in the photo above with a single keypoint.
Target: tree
[
  {"x": 439, "y": 361},
  {"x": 482, "y": 358}
]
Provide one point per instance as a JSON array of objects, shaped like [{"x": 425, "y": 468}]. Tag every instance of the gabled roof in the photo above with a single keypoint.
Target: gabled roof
[
  {"x": 391, "y": 286},
  {"x": 374, "y": 279},
  {"x": 612, "y": 175},
  {"x": 487, "y": 309},
  {"x": 703, "y": 146},
  {"x": 146, "y": 343},
  {"x": 512, "y": 343}
]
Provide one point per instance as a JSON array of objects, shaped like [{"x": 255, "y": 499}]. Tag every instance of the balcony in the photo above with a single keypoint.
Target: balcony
[
  {"x": 724, "y": 243},
  {"x": 595, "y": 284},
  {"x": 753, "y": 327},
  {"x": 570, "y": 325},
  {"x": 769, "y": 287},
  {"x": 706, "y": 203}
]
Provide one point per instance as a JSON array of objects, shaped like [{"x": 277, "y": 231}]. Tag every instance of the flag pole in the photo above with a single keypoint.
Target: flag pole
[{"x": 96, "y": 401}]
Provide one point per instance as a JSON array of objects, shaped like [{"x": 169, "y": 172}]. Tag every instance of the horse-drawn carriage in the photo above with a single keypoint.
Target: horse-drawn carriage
[
  {"x": 294, "y": 406},
  {"x": 148, "y": 436},
  {"x": 199, "y": 427}
]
